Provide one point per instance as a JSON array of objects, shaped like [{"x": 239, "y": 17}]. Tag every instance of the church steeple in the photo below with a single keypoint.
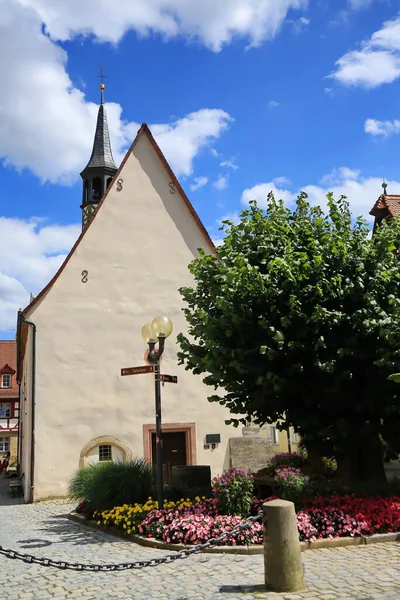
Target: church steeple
[{"x": 101, "y": 168}]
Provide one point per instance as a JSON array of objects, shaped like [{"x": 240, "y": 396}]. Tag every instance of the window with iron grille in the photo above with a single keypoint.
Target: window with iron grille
[
  {"x": 5, "y": 410},
  {"x": 6, "y": 381},
  {"x": 105, "y": 452},
  {"x": 4, "y": 444}
]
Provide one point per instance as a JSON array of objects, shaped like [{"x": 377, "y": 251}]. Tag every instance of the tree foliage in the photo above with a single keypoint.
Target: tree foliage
[{"x": 299, "y": 317}]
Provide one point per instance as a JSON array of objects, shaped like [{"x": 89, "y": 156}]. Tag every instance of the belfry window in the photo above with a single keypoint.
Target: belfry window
[{"x": 97, "y": 189}]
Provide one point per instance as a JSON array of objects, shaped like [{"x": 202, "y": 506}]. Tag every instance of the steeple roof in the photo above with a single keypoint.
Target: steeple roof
[{"x": 102, "y": 154}]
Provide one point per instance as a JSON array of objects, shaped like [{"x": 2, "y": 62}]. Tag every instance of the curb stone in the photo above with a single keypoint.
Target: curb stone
[{"x": 342, "y": 542}]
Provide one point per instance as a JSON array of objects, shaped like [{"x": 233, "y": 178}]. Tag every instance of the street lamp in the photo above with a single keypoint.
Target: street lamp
[{"x": 157, "y": 331}]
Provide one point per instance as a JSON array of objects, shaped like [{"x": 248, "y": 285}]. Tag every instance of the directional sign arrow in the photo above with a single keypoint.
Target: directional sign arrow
[
  {"x": 137, "y": 370},
  {"x": 169, "y": 378}
]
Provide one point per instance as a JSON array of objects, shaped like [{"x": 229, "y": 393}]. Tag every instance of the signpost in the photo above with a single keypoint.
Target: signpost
[{"x": 158, "y": 379}]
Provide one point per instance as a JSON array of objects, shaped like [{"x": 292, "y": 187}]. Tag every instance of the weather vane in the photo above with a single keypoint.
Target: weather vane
[{"x": 102, "y": 77}]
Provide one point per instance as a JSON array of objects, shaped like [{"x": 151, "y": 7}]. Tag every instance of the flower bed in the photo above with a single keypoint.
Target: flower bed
[
  {"x": 195, "y": 521},
  {"x": 128, "y": 517}
]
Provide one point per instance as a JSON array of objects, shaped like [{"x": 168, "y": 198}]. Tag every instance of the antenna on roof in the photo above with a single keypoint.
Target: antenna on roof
[{"x": 384, "y": 185}]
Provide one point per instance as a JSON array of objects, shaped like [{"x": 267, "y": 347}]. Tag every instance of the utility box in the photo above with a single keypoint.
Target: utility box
[{"x": 194, "y": 477}]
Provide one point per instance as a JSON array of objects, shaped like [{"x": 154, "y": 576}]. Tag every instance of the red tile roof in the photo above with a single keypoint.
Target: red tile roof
[
  {"x": 389, "y": 204},
  {"x": 8, "y": 356}
]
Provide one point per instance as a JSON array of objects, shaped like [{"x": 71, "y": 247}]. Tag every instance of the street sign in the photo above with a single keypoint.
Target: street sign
[
  {"x": 137, "y": 370},
  {"x": 169, "y": 378}
]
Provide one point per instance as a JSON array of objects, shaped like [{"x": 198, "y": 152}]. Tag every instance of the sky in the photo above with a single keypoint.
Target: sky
[{"x": 243, "y": 97}]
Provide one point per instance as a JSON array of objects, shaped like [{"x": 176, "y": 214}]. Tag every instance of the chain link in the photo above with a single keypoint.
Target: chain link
[{"x": 139, "y": 564}]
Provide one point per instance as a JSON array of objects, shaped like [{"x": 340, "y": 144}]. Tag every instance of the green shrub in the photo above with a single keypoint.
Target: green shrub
[
  {"x": 234, "y": 492},
  {"x": 329, "y": 487},
  {"x": 297, "y": 460},
  {"x": 80, "y": 484},
  {"x": 329, "y": 465},
  {"x": 292, "y": 483},
  {"x": 110, "y": 484}
]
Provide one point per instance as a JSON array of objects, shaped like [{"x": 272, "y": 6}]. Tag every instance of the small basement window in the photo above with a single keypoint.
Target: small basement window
[{"x": 105, "y": 452}]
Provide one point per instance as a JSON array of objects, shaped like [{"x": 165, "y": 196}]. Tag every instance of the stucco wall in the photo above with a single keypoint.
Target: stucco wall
[{"x": 136, "y": 253}]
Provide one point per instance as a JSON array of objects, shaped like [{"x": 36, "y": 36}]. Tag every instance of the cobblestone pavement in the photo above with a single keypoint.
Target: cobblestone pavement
[{"x": 358, "y": 573}]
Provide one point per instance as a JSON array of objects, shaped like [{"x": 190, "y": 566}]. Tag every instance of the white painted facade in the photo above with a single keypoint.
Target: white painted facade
[{"x": 136, "y": 252}]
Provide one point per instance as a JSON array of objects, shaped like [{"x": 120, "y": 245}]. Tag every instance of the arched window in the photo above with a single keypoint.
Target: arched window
[
  {"x": 104, "y": 448},
  {"x": 109, "y": 180},
  {"x": 97, "y": 189}
]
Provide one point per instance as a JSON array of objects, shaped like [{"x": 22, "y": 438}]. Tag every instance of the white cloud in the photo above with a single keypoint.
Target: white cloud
[
  {"x": 182, "y": 140},
  {"x": 377, "y": 62},
  {"x": 260, "y": 193},
  {"x": 300, "y": 24},
  {"x": 46, "y": 124},
  {"x": 213, "y": 24},
  {"x": 337, "y": 175},
  {"x": 34, "y": 251},
  {"x": 273, "y": 103},
  {"x": 221, "y": 183},
  {"x": 361, "y": 192},
  {"x": 218, "y": 241},
  {"x": 199, "y": 182},
  {"x": 282, "y": 180},
  {"x": 230, "y": 164},
  {"x": 383, "y": 128}
]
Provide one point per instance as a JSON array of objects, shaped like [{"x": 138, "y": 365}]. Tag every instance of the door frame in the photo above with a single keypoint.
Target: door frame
[{"x": 190, "y": 439}]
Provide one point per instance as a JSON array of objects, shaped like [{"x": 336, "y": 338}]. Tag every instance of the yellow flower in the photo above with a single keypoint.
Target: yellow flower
[{"x": 98, "y": 522}]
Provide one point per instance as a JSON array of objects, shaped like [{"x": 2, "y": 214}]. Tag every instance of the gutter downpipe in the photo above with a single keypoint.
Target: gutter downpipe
[{"x": 33, "y": 375}]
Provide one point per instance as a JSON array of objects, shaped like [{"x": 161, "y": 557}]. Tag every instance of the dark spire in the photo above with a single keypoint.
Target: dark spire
[
  {"x": 102, "y": 154},
  {"x": 384, "y": 185},
  {"x": 98, "y": 173}
]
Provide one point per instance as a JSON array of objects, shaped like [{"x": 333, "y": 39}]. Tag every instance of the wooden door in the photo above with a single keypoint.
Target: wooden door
[{"x": 174, "y": 451}]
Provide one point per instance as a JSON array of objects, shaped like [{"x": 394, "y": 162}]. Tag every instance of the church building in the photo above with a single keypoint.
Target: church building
[{"x": 139, "y": 234}]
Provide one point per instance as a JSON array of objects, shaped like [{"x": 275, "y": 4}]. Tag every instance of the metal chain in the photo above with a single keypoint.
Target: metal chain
[{"x": 139, "y": 564}]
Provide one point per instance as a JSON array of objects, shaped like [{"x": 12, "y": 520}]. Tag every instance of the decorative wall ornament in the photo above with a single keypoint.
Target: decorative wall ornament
[
  {"x": 84, "y": 276},
  {"x": 172, "y": 189},
  {"x": 120, "y": 184}
]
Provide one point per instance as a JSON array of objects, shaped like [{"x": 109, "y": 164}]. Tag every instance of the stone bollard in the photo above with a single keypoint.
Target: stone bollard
[{"x": 282, "y": 553}]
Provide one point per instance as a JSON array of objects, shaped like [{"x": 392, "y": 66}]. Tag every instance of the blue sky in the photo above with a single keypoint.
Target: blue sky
[{"x": 243, "y": 96}]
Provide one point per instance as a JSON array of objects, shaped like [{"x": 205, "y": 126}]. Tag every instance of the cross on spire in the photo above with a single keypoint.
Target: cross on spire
[{"x": 102, "y": 77}]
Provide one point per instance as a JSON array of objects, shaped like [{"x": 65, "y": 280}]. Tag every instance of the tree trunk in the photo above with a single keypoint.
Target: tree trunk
[
  {"x": 314, "y": 453},
  {"x": 371, "y": 454},
  {"x": 362, "y": 461}
]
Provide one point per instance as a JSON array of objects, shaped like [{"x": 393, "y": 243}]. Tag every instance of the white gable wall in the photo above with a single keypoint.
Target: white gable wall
[{"x": 136, "y": 253}]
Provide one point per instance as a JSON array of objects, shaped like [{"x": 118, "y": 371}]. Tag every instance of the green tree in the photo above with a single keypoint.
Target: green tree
[{"x": 299, "y": 317}]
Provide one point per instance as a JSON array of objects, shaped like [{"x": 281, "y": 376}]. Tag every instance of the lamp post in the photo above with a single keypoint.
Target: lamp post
[{"x": 157, "y": 331}]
